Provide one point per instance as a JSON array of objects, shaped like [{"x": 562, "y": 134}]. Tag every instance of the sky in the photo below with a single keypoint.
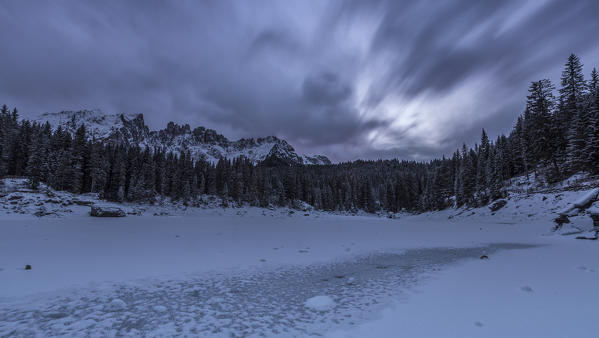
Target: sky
[{"x": 347, "y": 79}]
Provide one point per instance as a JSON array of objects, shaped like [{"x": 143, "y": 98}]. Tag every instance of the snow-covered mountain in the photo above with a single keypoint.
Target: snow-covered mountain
[{"x": 200, "y": 142}]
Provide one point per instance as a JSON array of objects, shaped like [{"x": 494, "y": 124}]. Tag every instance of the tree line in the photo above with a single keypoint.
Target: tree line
[{"x": 555, "y": 137}]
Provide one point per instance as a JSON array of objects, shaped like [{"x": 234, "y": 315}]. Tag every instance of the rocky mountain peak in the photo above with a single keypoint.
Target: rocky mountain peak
[{"x": 201, "y": 142}]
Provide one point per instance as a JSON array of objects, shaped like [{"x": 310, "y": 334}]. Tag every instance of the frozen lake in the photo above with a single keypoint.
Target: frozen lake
[
  {"x": 211, "y": 273},
  {"x": 261, "y": 303}
]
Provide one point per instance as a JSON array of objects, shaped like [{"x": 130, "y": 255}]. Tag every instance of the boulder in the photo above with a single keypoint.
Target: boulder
[
  {"x": 497, "y": 205},
  {"x": 561, "y": 219},
  {"x": 107, "y": 212}
]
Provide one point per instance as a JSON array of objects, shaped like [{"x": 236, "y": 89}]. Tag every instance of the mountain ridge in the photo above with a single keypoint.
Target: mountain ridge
[{"x": 201, "y": 142}]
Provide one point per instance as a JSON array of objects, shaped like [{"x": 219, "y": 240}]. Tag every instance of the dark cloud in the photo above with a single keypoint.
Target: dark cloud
[
  {"x": 381, "y": 78},
  {"x": 325, "y": 88}
]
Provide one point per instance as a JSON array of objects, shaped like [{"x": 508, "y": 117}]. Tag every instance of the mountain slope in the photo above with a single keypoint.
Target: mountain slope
[{"x": 200, "y": 142}]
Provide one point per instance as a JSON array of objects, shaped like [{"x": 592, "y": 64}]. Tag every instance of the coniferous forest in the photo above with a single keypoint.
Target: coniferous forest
[{"x": 556, "y": 136}]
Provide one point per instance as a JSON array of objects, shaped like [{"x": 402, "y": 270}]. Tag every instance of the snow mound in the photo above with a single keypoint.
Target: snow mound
[
  {"x": 587, "y": 198},
  {"x": 320, "y": 303},
  {"x": 117, "y": 305}
]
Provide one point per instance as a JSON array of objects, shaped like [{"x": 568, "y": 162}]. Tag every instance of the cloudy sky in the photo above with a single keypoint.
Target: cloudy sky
[{"x": 348, "y": 79}]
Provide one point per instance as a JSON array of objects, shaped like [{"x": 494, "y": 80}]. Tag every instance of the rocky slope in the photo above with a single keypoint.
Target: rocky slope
[{"x": 200, "y": 142}]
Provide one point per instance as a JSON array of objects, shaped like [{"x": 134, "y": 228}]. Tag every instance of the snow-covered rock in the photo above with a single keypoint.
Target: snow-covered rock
[
  {"x": 497, "y": 205},
  {"x": 200, "y": 142},
  {"x": 320, "y": 303},
  {"x": 594, "y": 209},
  {"x": 585, "y": 200},
  {"x": 97, "y": 211}
]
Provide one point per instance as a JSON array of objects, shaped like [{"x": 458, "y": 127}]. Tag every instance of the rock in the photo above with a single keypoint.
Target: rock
[
  {"x": 107, "y": 212},
  {"x": 562, "y": 219},
  {"x": 41, "y": 211},
  {"x": 497, "y": 205},
  {"x": 27, "y": 267},
  {"x": 484, "y": 257}
]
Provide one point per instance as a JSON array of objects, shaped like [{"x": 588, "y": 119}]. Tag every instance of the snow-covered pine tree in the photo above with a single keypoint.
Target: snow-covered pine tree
[
  {"x": 591, "y": 150},
  {"x": 540, "y": 103},
  {"x": 572, "y": 116},
  {"x": 481, "y": 168}
]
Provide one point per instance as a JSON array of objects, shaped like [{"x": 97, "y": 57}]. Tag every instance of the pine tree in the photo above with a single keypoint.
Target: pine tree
[
  {"x": 573, "y": 118},
  {"x": 538, "y": 118},
  {"x": 37, "y": 165},
  {"x": 591, "y": 150},
  {"x": 481, "y": 168}
]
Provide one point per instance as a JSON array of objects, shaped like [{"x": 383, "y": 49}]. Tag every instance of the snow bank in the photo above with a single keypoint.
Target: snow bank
[{"x": 320, "y": 303}]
